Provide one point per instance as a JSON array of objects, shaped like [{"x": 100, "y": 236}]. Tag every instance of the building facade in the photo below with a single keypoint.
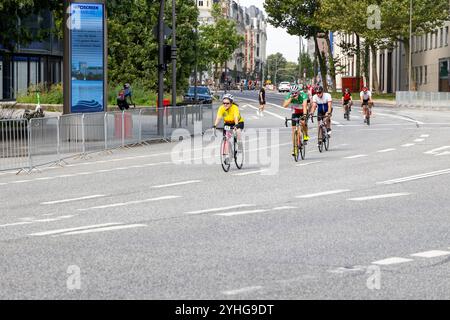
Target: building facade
[
  {"x": 37, "y": 62},
  {"x": 430, "y": 70},
  {"x": 248, "y": 60}
]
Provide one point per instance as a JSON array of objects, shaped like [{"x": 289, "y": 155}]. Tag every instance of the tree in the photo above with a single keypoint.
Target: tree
[
  {"x": 13, "y": 18},
  {"x": 273, "y": 64},
  {"x": 218, "y": 41},
  {"x": 299, "y": 18},
  {"x": 307, "y": 64}
]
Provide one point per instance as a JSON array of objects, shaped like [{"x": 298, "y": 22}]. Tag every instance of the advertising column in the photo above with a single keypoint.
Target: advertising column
[{"x": 85, "y": 57}]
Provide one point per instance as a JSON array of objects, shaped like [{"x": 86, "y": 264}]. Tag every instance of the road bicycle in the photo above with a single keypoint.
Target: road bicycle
[
  {"x": 368, "y": 112},
  {"x": 323, "y": 136},
  {"x": 299, "y": 146},
  {"x": 230, "y": 146},
  {"x": 348, "y": 108}
]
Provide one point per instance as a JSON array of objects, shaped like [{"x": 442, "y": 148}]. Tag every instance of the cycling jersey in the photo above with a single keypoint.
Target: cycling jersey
[
  {"x": 297, "y": 104},
  {"x": 347, "y": 96},
  {"x": 229, "y": 115},
  {"x": 322, "y": 103},
  {"x": 366, "y": 95}
]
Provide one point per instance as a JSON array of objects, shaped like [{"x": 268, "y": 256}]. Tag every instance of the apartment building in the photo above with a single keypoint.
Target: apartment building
[
  {"x": 248, "y": 60},
  {"x": 430, "y": 70}
]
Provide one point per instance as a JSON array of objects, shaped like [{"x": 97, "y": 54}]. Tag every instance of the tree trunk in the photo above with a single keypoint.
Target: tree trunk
[
  {"x": 331, "y": 60},
  {"x": 322, "y": 64},
  {"x": 358, "y": 56},
  {"x": 407, "y": 66},
  {"x": 375, "y": 82}
]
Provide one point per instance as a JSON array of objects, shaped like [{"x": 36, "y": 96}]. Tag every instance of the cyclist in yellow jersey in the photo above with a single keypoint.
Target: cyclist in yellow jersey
[{"x": 229, "y": 112}]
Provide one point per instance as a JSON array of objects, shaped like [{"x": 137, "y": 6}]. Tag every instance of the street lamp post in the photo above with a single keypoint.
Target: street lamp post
[
  {"x": 410, "y": 45},
  {"x": 160, "y": 67},
  {"x": 174, "y": 55}
]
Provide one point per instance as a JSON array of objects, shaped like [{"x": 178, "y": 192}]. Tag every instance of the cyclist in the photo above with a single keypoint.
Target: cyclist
[
  {"x": 347, "y": 101},
  {"x": 324, "y": 103},
  {"x": 229, "y": 112},
  {"x": 297, "y": 100},
  {"x": 366, "y": 102}
]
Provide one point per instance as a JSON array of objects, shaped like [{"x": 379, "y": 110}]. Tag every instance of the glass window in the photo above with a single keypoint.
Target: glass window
[
  {"x": 426, "y": 42},
  {"x": 421, "y": 75},
  {"x": 446, "y": 36},
  {"x": 200, "y": 3},
  {"x": 20, "y": 75},
  {"x": 441, "y": 42},
  {"x": 436, "y": 34},
  {"x": 426, "y": 75}
]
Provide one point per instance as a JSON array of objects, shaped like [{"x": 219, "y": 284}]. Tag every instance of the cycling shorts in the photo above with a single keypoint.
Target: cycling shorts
[
  {"x": 296, "y": 118},
  {"x": 347, "y": 102},
  {"x": 365, "y": 103}
]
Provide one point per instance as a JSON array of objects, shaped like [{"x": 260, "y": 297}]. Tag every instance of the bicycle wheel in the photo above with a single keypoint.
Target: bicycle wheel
[
  {"x": 296, "y": 151},
  {"x": 238, "y": 155},
  {"x": 320, "y": 141},
  {"x": 368, "y": 120},
  {"x": 225, "y": 157},
  {"x": 326, "y": 140},
  {"x": 302, "y": 148}
]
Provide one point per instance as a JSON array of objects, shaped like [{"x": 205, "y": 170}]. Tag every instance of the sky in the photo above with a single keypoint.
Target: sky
[{"x": 278, "y": 40}]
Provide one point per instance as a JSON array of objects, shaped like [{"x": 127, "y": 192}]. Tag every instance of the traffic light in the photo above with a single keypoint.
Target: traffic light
[{"x": 167, "y": 54}]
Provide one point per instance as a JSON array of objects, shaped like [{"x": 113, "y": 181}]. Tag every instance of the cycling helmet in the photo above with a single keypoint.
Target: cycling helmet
[
  {"x": 347, "y": 90},
  {"x": 319, "y": 89},
  {"x": 295, "y": 88},
  {"x": 229, "y": 97},
  {"x": 126, "y": 85},
  {"x": 365, "y": 89}
]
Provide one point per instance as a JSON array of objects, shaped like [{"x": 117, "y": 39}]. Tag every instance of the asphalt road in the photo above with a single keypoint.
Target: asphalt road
[{"x": 368, "y": 219}]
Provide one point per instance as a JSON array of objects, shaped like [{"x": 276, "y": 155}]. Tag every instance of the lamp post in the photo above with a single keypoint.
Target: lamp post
[
  {"x": 160, "y": 67},
  {"x": 174, "y": 55},
  {"x": 410, "y": 45}
]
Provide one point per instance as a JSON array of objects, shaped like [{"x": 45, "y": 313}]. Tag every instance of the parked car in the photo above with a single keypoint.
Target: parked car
[
  {"x": 284, "y": 87},
  {"x": 203, "y": 95}
]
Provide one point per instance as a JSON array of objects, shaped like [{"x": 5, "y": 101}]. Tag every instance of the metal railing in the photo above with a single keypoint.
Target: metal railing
[
  {"x": 25, "y": 145},
  {"x": 423, "y": 99}
]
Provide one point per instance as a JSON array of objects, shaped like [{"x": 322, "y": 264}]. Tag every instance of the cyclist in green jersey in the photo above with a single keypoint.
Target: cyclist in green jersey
[{"x": 298, "y": 101}]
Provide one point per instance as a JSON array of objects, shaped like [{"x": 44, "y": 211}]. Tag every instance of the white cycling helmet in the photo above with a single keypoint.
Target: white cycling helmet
[
  {"x": 229, "y": 97},
  {"x": 294, "y": 88}
]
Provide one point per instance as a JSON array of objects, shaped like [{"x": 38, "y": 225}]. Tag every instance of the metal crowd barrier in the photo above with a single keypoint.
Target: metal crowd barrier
[
  {"x": 423, "y": 99},
  {"x": 25, "y": 145}
]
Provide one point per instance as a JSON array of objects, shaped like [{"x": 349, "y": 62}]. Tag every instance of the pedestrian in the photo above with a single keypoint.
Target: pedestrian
[{"x": 262, "y": 101}]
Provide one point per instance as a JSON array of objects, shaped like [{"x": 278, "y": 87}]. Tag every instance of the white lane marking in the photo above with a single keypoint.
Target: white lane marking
[
  {"x": 240, "y": 291},
  {"x": 176, "y": 184},
  {"x": 122, "y": 204},
  {"x": 268, "y": 112},
  {"x": 407, "y": 145},
  {"x": 284, "y": 208},
  {"x": 52, "y": 232},
  {"x": 74, "y": 199},
  {"x": 15, "y": 224},
  {"x": 221, "y": 209},
  {"x": 425, "y": 136},
  {"x": 416, "y": 177},
  {"x": 55, "y": 219},
  {"x": 400, "y": 117},
  {"x": 393, "y": 260},
  {"x": 357, "y": 156},
  {"x": 336, "y": 123},
  {"x": 250, "y": 172},
  {"x": 236, "y": 213},
  {"x": 129, "y": 226},
  {"x": 381, "y": 196},
  {"x": 386, "y": 150},
  {"x": 419, "y": 140},
  {"x": 306, "y": 196},
  {"x": 20, "y": 181},
  {"x": 437, "y": 150},
  {"x": 431, "y": 254},
  {"x": 307, "y": 164}
]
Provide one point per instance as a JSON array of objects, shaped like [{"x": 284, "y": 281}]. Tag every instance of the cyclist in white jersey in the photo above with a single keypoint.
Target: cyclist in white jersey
[
  {"x": 366, "y": 101},
  {"x": 323, "y": 102}
]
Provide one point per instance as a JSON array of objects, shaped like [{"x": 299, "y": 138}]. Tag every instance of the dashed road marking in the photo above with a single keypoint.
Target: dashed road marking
[
  {"x": 437, "y": 151},
  {"x": 387, "y": 150},
  {"x": 416, "y": 177},
  {"x": 105, "y": 229},
  {"x": 221, "y": 209},
  {"x": 393, "y": 260},
  {"x": 322, "y": 194},
  {"x": 241, "y": 291},
  {"x": 419, "y": 140},
  {"x": 74, "y": 199},
  {"x": 122, "y": 204},
  {"x": 381, "y": 196},
  {"x": 431, "y": 254},
  {"x": 53, "y": 232},
  {"x": 357, "y": 156},
  {"x": 237, "y": 213},
  {"x": 250, "y": 172},
  {"x": 308, "y": 164},
  {"x": 407, "y": 145},
  {"x": 176, "y": 184}
]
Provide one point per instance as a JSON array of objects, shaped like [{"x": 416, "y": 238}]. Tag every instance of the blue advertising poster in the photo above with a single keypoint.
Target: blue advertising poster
[{"x": 87, "y": 57}]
